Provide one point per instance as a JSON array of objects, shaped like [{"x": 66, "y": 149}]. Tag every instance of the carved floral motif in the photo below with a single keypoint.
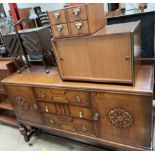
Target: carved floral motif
[
  {"x": 22, "y": 103},
  {"x": 120, "y": 118}
]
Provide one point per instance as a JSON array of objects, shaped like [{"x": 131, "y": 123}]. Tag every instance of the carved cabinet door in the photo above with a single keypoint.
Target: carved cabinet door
[
  {"x": 24, "y": 104},
  {"x": 124, "y": 118}
]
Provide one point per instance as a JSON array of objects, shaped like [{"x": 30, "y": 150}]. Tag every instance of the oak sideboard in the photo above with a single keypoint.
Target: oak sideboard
[{"x": 118, "y": 117}]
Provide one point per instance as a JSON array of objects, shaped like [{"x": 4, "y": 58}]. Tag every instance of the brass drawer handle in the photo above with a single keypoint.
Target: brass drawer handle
[
  {"x": 78, "y": 99},
  {"x": 35, "y": 107},
  {"x": 59, "y": 27},
  {"x": 96, "y": 117},
  {"x": 81, "y": 115},
  {"x": 76, "y": 11},
  {"x": 42, "y": 94},
  {"x": 78, "y": 25},
  {"x": 46, "y": 109},
  {"x": 84, "y": 128},
  {"x": 51, "y": 121},
  {"x": 56, "y": 15}
]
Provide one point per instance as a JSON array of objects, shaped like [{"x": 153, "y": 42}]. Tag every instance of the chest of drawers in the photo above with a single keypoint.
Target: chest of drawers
[
  {"x": 76, "y": 21},
  {"x": 113, "y": 116},
  {"x": 110, "y": 55}
]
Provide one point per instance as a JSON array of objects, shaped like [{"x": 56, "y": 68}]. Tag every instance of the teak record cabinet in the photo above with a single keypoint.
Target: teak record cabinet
[
  {"x": 79, "y": 20},
  {"x": 110, "y": 55}
]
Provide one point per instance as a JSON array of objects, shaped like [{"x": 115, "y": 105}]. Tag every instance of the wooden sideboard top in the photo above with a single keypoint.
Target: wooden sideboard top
[
  {"x": 36, "y": 76},
  {"x": 117, "y": 28}
]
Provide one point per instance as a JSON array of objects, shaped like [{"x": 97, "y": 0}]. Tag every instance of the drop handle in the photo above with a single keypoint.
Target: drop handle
[
  {"x": 51, "y": 121},
  {"x": 96, "y": 117},
  {"x": 76, "y": 11},
  {"x": 35, "y": 107},
  {"x": 84, "y": 128},
  {"x": 59, "y": 27},
  {"x": 43, "y": 95},
  {"x": 56, "y": 15},
  {"x": 46, "y": 109},
  {"x": 78, "y": 99},
  {"x": 78, "y": 25},
  {"x": 81, "y": 115}
]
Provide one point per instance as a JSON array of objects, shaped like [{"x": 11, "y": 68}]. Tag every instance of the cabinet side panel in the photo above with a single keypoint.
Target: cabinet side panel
[
  {"x": 136, "y": 36},
  {"x": 96, "y": 16}
]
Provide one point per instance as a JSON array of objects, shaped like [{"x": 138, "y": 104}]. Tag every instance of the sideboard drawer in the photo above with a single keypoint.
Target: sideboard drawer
[
  {"x": 57, "y": 17},
  {"x": 81, "y": 112},
  {"x": 80, "y": 98},
  {"x": 79, "y": 28},
  {"x": 43, "y": 94},
  {"x": 72, "y": 124},
  {"x": 60, "y": 30},
  {"x": 77, "y": 13},
  {"x": 66, "y": 109},
  {"x": 51, "y": 120}
]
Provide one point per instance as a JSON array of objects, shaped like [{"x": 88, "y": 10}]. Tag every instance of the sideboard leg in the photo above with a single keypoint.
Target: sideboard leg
[
  {"x": 28, "y": 134},
  {"x": 23, "y": 130}
]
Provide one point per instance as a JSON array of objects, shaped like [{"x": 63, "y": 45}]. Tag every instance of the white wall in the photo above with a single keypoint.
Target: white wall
[
  {"x": 150, "y": 7},
  {"x": 55, "y": 6}
]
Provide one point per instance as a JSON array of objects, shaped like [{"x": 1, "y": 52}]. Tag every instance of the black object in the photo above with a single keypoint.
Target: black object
[
  {"x": 29, "y": 42},
  {"x": 15, "y": 48},
  {"x": 147, "y": 30}
]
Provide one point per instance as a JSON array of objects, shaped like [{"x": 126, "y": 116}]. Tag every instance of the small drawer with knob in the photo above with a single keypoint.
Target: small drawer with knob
[
  {"x": 85, "y": 127},
  {"x": 57, "y": 17},
  {"x": 80, "y": 98},
  {"x": 81, "y": 112},
  {"x": 77, "y": 13},
  {"x": 43, "y": 94},
  {"x": 51, "y": 120},
  {"x": 79, "y": 28},
  {"x": 60, "y": 30}
]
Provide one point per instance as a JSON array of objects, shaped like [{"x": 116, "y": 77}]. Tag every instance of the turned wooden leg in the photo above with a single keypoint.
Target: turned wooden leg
[
  {"x": 28, "y": 134},
  {"x": 44, "y": 62},
  {"x": 23, "y": 130}
]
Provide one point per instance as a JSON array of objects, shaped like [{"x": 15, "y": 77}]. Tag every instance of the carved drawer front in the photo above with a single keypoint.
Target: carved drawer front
[
  {"x": 124, "y": 118},
  {"x": 66, "y": 109},
  {"x": 77, "y": 13},
  {"x": 54, "y": 95},
  {"x": 81, "y": 112},
  {"x": 85, "y": 127},
  {"x": 70, "y": 124},
  {"x": 80, "y": 98},
  {"x": 43, "y": 94},
  {"x": 60, "y": 30},
  {"x": 79, "y": 28},
  {"x": 51, "y": 120},
  {"x": 57, "y": 17}
]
